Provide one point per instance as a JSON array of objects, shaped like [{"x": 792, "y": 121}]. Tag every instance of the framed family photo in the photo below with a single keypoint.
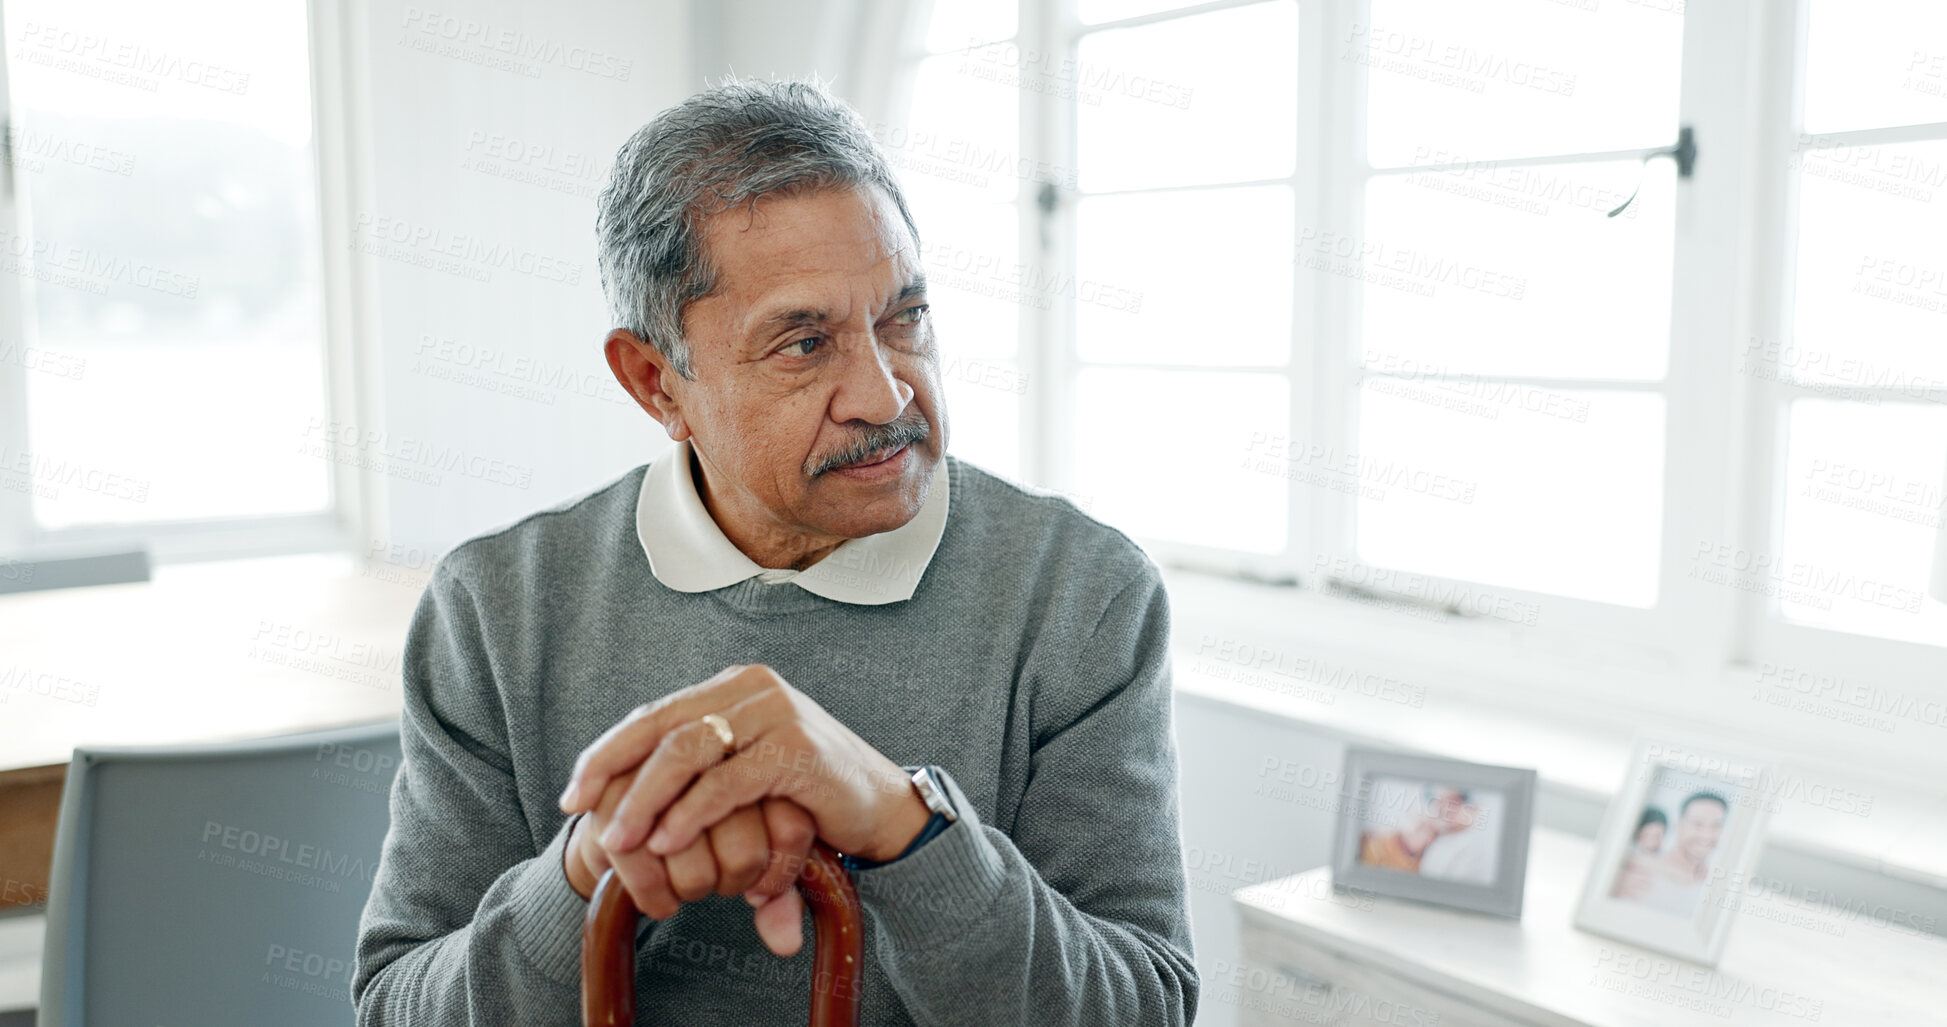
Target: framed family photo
[
  {"x": 1684, "y": 830},
  {"x": 1434, "y": 830}
]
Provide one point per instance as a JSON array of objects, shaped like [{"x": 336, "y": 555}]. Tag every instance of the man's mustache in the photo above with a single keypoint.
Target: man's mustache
[{"x": 903, "y": 430}]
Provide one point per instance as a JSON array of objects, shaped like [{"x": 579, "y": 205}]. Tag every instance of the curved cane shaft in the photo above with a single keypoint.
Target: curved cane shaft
[
  {"x": 608, "y": 956},
  {"x": 838, "y": 930},
  {"x": 837, "y": 970}
]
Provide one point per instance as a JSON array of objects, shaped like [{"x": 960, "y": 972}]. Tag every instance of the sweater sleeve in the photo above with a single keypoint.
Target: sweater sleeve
[
  {"x": 1080, "y": 915},
  {"x": 466, "y": 924}
]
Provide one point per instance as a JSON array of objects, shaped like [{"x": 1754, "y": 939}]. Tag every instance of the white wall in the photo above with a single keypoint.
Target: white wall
[
  {"x": 847, "y": 44},
  {"x": 1233, "y": 837},
  {"x": 490, "y": 126}
]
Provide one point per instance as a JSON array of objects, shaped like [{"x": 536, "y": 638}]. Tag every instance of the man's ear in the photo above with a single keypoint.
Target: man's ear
[{"x": 645, "y": 374}]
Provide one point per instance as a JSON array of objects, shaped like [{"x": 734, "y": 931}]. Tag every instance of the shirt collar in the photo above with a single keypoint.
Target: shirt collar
[{"x": 689, "y": 553}]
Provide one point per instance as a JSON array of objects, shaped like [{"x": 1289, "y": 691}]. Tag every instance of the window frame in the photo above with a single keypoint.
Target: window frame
[
  {"x": 348, "y": 382},
  {"x": 1328, "y": 188}
]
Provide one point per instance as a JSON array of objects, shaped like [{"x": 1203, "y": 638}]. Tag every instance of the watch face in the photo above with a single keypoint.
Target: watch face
[{"x": 933, "y": 795}]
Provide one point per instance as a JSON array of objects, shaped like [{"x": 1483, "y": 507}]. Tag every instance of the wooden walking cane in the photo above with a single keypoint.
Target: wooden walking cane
[{"x": 838, "y": 927}]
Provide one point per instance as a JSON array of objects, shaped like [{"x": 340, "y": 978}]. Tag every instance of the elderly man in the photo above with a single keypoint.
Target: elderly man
[{"x": 804, "y": 618}]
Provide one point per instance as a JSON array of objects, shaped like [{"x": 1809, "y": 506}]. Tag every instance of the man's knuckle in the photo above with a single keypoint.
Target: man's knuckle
[
  {"x": 745, "y": 865},
  {"x": 774, "y": 704},
  {"x": 691, "y": 888},
  {"x": 793, "y": 834},
  {"x": 658, "y": 903},
  {"x": 648, "y": 893}
]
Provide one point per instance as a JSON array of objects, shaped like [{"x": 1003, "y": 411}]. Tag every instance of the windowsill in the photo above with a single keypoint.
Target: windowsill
[{"x": 1473, "y": 691}]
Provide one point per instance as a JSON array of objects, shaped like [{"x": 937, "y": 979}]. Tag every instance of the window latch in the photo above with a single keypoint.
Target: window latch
[{"x": 1684, "y": 153}]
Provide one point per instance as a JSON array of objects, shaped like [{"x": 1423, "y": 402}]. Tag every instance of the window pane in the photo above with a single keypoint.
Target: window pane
[
  {"x": 958, "y": 160},
  {"x": 1500, "y": 78},
  {"x": 1513, "y": 271},
  {"x": 1873, "y": 63},
  {"x": 1208, "y": 98},
  {"x": 1863, "y": 498},
  {"x": 1198, "y": 276},
  {"x": 1565, "y": 498},
  {"x": 983, "y": 402},
  {"x": 959, "y": 23},
  {"x": 1176, "y": 455},
  {"x": 1871, "y": 305},
  {"x": 976, "y": 282},
  {"x": 976, "y": 285},
  {"x": 180, "y": 260},
  {"x": 960, "y": 141},
  {"x": 955, "y": 156}
]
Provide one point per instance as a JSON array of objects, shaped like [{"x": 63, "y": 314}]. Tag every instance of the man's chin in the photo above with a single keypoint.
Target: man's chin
[
  {"x": 879, "y": 500},
  {"x": 859, "y": 526}
]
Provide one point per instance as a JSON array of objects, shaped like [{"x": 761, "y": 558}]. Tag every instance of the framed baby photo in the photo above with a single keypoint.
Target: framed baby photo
[
  {"x": 1434, "y": 830},
  {"x": 1682, "y": 833}
]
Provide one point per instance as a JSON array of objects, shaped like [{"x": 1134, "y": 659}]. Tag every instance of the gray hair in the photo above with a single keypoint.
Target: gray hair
[{"x": 722, "y": 148}]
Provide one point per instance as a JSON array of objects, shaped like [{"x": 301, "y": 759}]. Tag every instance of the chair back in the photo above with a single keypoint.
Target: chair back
[{"x": 220, "y": 884}]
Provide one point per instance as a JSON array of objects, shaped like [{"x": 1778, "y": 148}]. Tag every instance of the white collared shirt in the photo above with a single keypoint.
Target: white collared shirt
[{"x": 689, "y": 553}]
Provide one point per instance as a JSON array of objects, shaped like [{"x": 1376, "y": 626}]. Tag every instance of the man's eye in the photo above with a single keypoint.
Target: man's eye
[
  {"x": 809, "y": 341},
  {"x": 912, "y": 315}
]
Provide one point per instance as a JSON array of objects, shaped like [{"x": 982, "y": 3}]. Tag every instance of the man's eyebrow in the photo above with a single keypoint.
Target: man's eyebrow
[
  {"x": 798, "y": 318},
  {"x": 802, "y": 317},
  {"x": 915, "y": 287}
]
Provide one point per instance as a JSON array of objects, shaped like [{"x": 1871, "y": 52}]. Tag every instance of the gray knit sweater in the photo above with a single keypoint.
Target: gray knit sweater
[{"x": 1031, "y": 665}]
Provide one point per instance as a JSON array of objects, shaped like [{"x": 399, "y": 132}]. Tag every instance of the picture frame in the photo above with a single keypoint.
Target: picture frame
[
  {"x": 1434, "y": 830},
  {"x": 1676, "y": 890}
]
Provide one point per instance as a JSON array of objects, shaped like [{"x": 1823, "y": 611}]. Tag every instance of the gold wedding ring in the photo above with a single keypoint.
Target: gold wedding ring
[{"x": 722, "y": 728}]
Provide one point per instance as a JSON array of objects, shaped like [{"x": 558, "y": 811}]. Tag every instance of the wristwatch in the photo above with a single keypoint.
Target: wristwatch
[{"x": 936, "y": 799}]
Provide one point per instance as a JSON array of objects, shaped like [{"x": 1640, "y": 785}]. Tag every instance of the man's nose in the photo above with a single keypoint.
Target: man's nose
[{"x": 867, "y": 389}]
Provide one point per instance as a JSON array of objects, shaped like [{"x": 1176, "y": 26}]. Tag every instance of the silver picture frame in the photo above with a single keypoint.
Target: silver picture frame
[{"x": 1379, "y": 788}]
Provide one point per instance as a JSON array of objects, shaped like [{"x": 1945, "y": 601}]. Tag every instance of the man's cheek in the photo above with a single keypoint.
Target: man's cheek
[{"x": 931, "y": 400}]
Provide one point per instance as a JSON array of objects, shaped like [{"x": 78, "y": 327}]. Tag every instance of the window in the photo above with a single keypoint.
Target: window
[
  {"x": 1411, "y": 300},
  {"x": 166, "y": 346},
  {"x": 1511, "y": 337},
  {"x": 1185, "y": 143}
]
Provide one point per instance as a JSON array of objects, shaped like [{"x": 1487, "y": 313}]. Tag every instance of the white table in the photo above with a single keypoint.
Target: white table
[
  {"x": 205, "y": 652},
  {"x": 1315, "y": 956}
]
